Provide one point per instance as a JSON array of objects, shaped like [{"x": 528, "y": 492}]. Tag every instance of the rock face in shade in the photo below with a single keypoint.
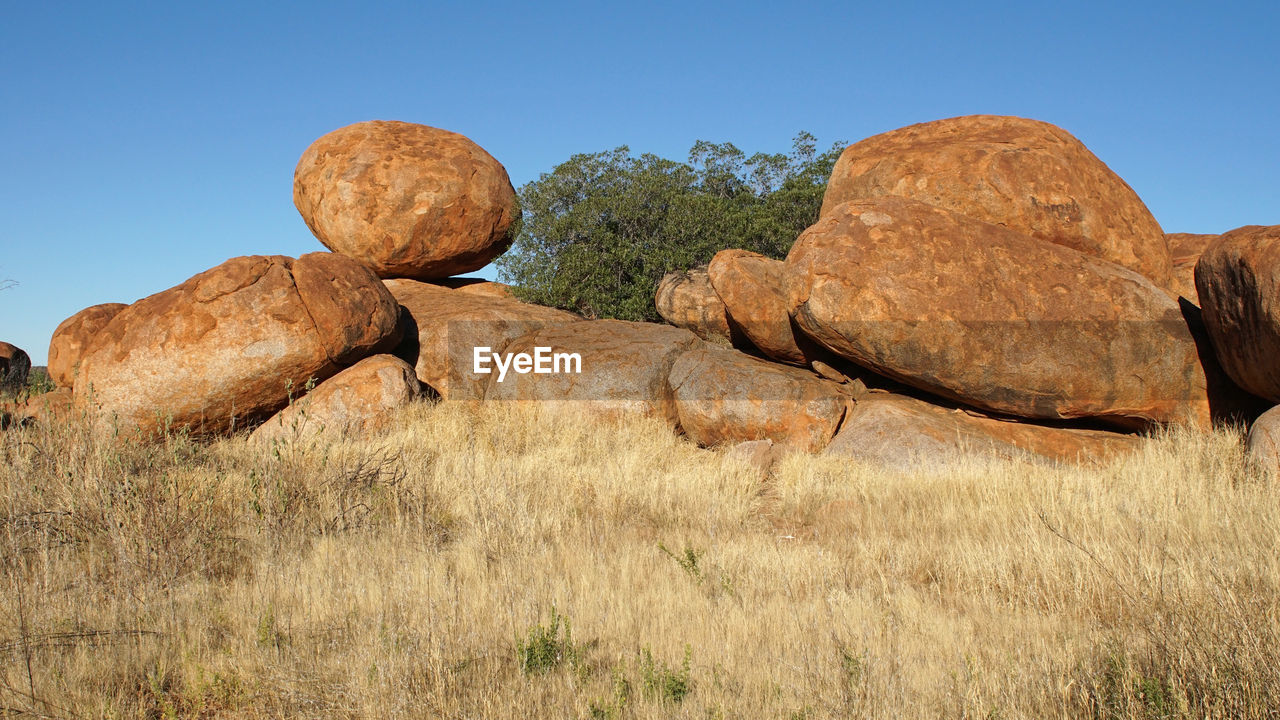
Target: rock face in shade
[
  {"x": 407, "y": 200},
  {"x": 357, "y": 400},
  {"x": 1185, "y": 249},
  {"x": 724, "y": 396},
  {"x": 687, "y": 300},
  {"x": 231, "y": 344},
  {"x": 753, "y": 290},
  {"x": 73, "y": 336},
  {"x": 624, "y": 368},
  {"x": 14, "y": 366},
  {"x": 1238, "y": 280},
  {"x": 1264, "y": 440},
  {"x": 902, "y": 432},
  {"x": 1029, "y": 176},
  {"x": 993, "y": 318},
  {"x": 448, "y": 325}
]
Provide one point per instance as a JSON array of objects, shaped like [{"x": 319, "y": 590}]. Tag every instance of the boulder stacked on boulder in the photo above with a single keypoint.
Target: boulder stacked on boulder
[
  {"x": 998, "y": 288},
  {"x": 407, "y": 200}
]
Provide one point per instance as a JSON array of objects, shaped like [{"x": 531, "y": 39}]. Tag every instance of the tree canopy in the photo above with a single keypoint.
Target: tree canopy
[{"x": 601, "y": 229}]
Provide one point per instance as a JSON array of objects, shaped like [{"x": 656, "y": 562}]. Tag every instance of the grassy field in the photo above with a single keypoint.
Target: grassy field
[{"x": 502, "y": 562}]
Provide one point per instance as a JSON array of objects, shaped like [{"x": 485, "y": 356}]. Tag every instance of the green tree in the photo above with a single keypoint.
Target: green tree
[{"x": 601, "y": 229}]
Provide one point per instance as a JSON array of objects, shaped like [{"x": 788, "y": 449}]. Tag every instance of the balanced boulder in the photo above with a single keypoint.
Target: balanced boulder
[
  {"x": 724, "y": 396},
  {"x": 357, "y": 400},
  {"x": 753, "y": 290},
  {"x": 993, "y": 318},
  {"x": 14, "y": 366},
  {"x": 1238, "y": 281},
  {"x": 1029, "y": 176},
  {"x": 73, "y": 336},
  {"x": 903, "y": 433},
  {"x": 448, "y": 327},
  {"x": 407, "y": 200},
  {"x": 687, "y": 300},
  {"x": 230, "y": 345},
  {"x": 605, "y": 366}
]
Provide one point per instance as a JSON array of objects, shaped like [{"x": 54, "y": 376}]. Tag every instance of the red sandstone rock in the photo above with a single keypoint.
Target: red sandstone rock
[
  {"x": 724, "y": 396},
  {"x": 407, "y": 200},
  {"x": 753, "y": 290},
  {"x": 686, "y": 300},
  {"x": 14, "y": 366},
  {"x": 902, "y": 432},
  {"x": 1263, "y": 444},
  {"x": 73, "y": 336},
  {"x": 358, "y": 400},
  {"x": 1029, "y": 176},
  {"x": 1238, "y": 281},
  {"x": 1185, "y": 249},
  {"x": 993, "y": 318},
  {"x": 450, "y": 324},
  {"x": 624, "y": 368},
  {"x": 231, "y": 344}
]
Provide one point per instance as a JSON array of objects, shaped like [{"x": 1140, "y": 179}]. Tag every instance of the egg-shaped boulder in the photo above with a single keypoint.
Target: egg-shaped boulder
[{"x": 407, "y": 200}]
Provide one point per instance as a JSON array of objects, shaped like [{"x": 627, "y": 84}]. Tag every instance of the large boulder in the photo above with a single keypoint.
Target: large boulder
[
  {"x": 447, "y": 326},
  {"x": 14, "y": 366},
  {"x": 1263, "y": 444},
  {"x": 230, "y": 345},
  {"x": 407, "y": 200},
  {"x": 1029, "y": 176},
  {"x": 993, "y": 318},
  {"x": 902, "y": 432},
  {"x": 686, "y": 299},
  {"x": 1185, "y": 249},
  {"x": 357, "y": 400},
  {"x": 73, "y": 336},
  {"x": 753, "y": 290},
  {"x": 1238, "y": 280},
  {"x": 724, "y": 396},
  {"x": 623, "y": 368}
]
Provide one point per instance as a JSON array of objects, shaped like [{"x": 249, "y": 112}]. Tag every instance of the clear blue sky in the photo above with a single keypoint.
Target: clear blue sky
[{"x": 145, "y": 142}]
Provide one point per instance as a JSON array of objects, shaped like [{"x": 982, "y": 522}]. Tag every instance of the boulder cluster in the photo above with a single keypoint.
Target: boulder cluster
[{"x": 981, "y": 284}]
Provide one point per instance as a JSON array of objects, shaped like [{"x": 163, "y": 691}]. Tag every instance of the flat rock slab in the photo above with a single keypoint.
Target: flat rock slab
[
  {"x": 1238, "y": 281},
  {"x": 723, "y": 396},
  {"x": 407, "y": 200},
  {"x": 358, "y": 400},
  {"x": 625, "y": 368},
  {"x": 687, "y": 300},
  {"x": 1028, "y": 176},
  {"x": 992, "y": 318},
  {"x": 448, "y": 326},
  {"x": 904, "y": 433},
  {"x": 231, "y": 344},
  {"x": 73, "y": 336}
]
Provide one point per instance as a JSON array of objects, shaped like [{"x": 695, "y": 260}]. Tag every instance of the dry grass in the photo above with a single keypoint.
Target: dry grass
[{"x": 499, "y": 562}]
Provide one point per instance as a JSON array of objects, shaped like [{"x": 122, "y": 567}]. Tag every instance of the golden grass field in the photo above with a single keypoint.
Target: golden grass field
[{"x": 504, "y": 562}]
